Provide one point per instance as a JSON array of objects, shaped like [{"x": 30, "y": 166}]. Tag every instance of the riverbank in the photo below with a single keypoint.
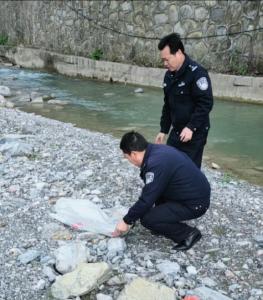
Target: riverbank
[
  {"x": 58, "y": 160},
  {"x": 226, "y": 87}
]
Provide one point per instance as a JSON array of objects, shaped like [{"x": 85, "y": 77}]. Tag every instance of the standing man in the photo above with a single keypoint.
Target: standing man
[
  {"x": 175, "y": 190},
  {"x": 188, "y": 100}
]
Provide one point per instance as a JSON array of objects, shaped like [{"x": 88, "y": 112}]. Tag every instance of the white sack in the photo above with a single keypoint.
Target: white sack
[{"x": 84, "y": 215}]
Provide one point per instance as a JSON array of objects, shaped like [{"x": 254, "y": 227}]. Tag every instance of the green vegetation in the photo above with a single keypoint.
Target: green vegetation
[
  {"x": 3, "y": 39},
  {"x": 96, "y": 54},
  {"x": 226, "y": 178},
  {"x": 220, "y": 230},
  {"x": 238, "y": 66},
  {"x": 32, "y": 156}
]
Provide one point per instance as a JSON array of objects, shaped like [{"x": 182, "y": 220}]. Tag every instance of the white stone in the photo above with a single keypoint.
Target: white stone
[
  {"x": 259, "y": 238},
  {"x": 9, "y": 104},
  {"x": 220, "y": 265},
  {"x": 215, "y": 166},
  {"x": 191, "y": 270},
  {"x": 244, "y": 243},
  {"x": 2, "y": 101},
  {"x": 206, "y": 293},
  {"x": 81, "y": 281},
  {"x": 5, "y": 91},
  {"x": 82, "y": 176},
  {"x": 103, "y": 297},
  {"x": 50, "y": 274},
  {"x": 142, "y": 289},
  {"x": 28, "y": 256},
  {"x": 256, "y": 292},
  {"x": 14, "y": 252},
  {"x": 173, "y": 14},
  {"x": 208, "y": 282},
  {"x": 116, "y": 280},
  {"x": 37, "y": 100},
  {"x": 58, "y": 102},
  {"x": 70, "y": 255},
  {"x": 139, "y": 90},
  {"x": 116, "y": 245},
  {"x": 40, "y": 285},
  {"x": 160, "y": 19},
  {"x": 16, "y": 149},
  {"x": 126, "y": 6},
  {"x": 168, "y": 267}
]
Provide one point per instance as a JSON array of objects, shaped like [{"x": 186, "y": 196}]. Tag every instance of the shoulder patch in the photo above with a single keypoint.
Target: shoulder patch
[
  {"x": 193, "y": 68},
  {"x": 149, "y": 177},
  {"x": 202, "y": 83}
]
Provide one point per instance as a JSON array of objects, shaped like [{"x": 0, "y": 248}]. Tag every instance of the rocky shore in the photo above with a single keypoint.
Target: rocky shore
[{"x": 43, "y": 161}]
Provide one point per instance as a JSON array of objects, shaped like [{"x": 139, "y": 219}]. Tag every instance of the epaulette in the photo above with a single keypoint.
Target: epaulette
[{"x": 193, "y": 68}]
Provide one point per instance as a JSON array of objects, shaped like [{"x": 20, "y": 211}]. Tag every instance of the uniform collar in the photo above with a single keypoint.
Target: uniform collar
[
  {"x": 145, "y": 158},
  {"x": 176, "y": 74}
]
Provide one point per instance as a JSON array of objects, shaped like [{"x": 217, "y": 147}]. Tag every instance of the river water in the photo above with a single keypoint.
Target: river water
[{"x": 235, "y": 140}]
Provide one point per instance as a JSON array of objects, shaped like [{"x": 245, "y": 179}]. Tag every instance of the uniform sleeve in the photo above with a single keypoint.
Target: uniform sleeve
[
  {"x": 156, "y": 180},
  {"x": 203, "y": 98},
  {"x": 165, "y": 122}
]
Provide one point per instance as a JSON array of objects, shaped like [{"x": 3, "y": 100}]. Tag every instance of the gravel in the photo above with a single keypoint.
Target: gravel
[{"x": 64, "y": 161}]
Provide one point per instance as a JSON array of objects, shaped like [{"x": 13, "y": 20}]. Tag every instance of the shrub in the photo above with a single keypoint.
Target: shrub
[
  {"x": 3, "y": 39},
  {"x": 96, "y": 54}
]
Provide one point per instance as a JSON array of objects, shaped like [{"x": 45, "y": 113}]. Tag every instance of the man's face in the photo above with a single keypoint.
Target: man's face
[
  {"x": 172, "y": 62},
  {"x": 132, "y": 158}
]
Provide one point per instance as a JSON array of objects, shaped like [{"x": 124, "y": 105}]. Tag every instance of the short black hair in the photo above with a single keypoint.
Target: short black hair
[
  {"x": 174, "y": 42},
  {"x": 133, "y": 141}
]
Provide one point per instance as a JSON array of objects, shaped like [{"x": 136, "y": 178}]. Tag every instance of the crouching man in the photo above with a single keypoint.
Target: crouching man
[{"x": 175, "y": 190}]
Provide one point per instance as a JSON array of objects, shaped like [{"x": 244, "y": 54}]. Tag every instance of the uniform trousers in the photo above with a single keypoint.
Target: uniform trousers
[
  {"x": 194, "y": 148},
  {"x": 166, "y": 218}
]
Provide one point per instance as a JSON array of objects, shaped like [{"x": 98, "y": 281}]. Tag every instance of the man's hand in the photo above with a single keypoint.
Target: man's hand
[
  {"x": 120, "y": 228},
  {"x": 160, "y": 138},
  {"x": 186, "y": 135}
]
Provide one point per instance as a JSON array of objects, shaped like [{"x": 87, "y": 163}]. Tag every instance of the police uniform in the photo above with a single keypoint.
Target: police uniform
[
  {"x": 175, "y": 190},
  {"x": 188, "y": 100}
]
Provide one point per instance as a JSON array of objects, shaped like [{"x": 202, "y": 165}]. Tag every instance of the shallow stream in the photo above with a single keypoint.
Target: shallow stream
[{"x": 235, "y": 140}]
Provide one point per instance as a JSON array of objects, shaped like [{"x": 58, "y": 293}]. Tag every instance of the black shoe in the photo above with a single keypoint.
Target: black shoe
[{"x": 188, "y": 243}]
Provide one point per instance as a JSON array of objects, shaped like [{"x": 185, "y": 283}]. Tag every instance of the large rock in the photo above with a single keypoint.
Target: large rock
[
  {"x": 37, "y": 100},
  {"x": 4, "y": 91},
  {"x": 59, "y": 102},
  {"x": 28, "y": 256},
  {"x": 168, "y": 267},
  {"x": 81, "y": 281},
  {"x": 2, "y": 101},
  {"x": 206, "y": 293},
  {"x": 70, "y": 255},
  {"x": 116, "y": 245},
  {"x": 141, "y": 289},
  {"x": 16, "y": 149}
]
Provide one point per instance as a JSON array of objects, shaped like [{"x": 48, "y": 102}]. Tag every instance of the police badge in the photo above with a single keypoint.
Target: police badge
[
  {"x": 202, "y": 83},
  {"x": 149, "y": 176}
]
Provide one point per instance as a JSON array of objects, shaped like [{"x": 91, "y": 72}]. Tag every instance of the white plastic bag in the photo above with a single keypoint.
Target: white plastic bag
[{"x": 84, "y": 215}]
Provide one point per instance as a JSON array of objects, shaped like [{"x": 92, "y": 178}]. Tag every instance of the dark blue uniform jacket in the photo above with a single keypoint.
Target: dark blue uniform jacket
[
  {"x": 188, "y": 98},
  {"x": 171, "y": 175}
]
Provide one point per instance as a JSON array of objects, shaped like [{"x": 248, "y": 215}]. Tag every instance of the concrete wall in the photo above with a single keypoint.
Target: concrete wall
[
  {"x": 224, "y": 86},
  {"x": 128, "y": 31}
]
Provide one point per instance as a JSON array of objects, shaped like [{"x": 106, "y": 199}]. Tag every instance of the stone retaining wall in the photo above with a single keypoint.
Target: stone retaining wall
[
  {"x": 224, "y": 86},
  {"x": 219, "y": 34}
]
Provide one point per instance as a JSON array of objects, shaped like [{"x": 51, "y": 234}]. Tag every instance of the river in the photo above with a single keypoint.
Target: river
[{"x": 235, "y": 140}]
